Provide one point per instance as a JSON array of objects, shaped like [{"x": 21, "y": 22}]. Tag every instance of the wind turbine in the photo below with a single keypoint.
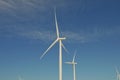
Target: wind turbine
[
  {"x": 73, "y": 63},
  {"x": 118, "y": 74},
  {"x": 19, "y": 78},
  {"x": 58, "y": 39}
]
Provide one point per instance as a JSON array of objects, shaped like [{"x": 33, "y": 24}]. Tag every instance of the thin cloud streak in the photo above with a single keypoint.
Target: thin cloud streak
[
  {"x": 28, "y": 9},
  {"x": 72, "y": 37},
  {"x": 39, "y": 35},
  {"x": 5, "y": 4},
  {"x": 27, "y": 4}
]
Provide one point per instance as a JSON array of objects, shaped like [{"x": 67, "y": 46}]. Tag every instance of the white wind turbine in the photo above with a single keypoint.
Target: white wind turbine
[
  {"x": 19, "y": 78},
  {"x": 118, "y": 74},
  {"x": 59, "y": 39},
  {"x": 73, "y": 63}
]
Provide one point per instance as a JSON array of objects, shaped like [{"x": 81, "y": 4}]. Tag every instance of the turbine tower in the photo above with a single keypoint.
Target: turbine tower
[
  {"x": 73, "y": 63},
  {"x": 118, "y": 74},
  {"x": 58, "y": 39}
]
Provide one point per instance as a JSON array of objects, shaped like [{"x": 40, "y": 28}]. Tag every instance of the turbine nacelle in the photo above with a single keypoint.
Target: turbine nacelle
[
  {"x": 74, "y": 63},
  {"x": 71, "y": 63},
  {"x": 61, "y": 38}
]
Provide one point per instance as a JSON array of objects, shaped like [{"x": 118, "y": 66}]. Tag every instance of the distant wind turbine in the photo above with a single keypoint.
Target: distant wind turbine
[
  {"x": 73, "y": 63},
  {"x": 59, "y": 39},
  {"x": 19, "y": 78},
  {"x": 118, "y": 74}
]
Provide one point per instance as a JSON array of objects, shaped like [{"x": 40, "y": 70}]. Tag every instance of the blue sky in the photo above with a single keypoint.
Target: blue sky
[{"x": 27, "y": 28}]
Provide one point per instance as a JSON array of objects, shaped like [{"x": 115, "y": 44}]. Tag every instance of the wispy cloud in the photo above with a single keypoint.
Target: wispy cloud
[
  {"x": 49, "y": 35},
  {"x": 73, "y": 36},
  {"x": 5, "y": 4},
  {"x": 29, "y": 4},
  {"x": 25, "y": 8},
  {"x": 39, "y": 35},
  {"x": 28, "y": 9}
]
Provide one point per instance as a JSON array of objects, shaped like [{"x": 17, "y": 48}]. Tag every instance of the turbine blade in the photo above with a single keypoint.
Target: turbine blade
[
  {"x": 65, "y": 48},
  {"x": 56, "y": 24},
  {"x": 117, "y": 70},
  {"x": 68, "y": 62},
  {"x": 117, "y": 73},
  {"x": 49, "y": 48},
  {"x": 74, "y": 56}
]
